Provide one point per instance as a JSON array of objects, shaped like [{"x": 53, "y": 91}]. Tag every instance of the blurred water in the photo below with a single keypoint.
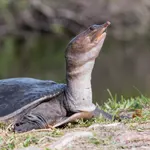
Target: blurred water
[{"x": 122, "y": 67}]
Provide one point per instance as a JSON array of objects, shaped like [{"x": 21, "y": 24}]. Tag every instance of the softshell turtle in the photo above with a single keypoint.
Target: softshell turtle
[{"x": 33, "y": 104}]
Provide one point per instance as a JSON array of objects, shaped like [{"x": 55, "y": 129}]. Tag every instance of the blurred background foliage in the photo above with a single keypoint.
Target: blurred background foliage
[{"x": 34, "y": 34}]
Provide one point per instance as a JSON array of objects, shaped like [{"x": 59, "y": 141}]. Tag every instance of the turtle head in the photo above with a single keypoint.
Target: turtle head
[{"x": 91, "y": 38}]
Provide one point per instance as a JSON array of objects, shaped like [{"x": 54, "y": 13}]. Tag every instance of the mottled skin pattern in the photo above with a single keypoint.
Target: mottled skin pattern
[{"x": 33, "y": 104}]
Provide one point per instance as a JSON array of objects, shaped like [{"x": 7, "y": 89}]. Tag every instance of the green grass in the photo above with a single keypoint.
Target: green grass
[{"x": 116, "y": 105}]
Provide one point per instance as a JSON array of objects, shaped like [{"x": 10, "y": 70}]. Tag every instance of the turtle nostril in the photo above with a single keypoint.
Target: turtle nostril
[
  {"x": 17, "y": 124},
  {"x": 92, "y": 28}
]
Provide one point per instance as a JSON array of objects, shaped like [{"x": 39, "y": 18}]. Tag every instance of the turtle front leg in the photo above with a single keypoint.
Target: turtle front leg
[
  {"x": 74, "y": 117},
  {"x": 84, "y": 115}
]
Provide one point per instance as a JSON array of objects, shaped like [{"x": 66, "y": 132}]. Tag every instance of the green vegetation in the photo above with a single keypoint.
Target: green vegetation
[
  {"x": 117, "y": 106},
  {"x": 95, "y": 141}
]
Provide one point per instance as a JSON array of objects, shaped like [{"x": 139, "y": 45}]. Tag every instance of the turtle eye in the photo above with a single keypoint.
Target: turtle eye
[{"x": 92, "y": 28}]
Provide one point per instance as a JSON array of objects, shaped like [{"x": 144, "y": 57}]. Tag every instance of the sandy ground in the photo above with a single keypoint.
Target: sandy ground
[{"x": 114, "y": 136}]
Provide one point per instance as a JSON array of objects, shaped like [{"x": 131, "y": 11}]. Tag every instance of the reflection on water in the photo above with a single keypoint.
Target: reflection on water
[{"x": 123, "y": 67}]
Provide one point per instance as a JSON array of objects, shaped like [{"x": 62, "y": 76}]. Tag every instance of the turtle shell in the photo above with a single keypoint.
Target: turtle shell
[{"x": 18, "y": 94}]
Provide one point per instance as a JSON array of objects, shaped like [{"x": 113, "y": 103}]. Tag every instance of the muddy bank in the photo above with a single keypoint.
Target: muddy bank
[{"x": 111, "y": 136}]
